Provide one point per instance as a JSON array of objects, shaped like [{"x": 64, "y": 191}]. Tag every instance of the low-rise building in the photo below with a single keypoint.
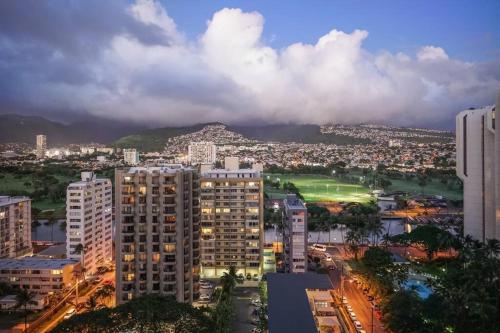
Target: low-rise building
[
  {"x": 295, "y": 234},
  {"x": 15, "y": 226},
  {"x": 39, "y": 275},
  {"x": 131, "y": 156}
]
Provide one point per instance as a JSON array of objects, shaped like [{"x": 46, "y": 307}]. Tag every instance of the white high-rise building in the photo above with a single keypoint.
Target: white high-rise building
[
  {"x": 478, "y": 165},
  {"x": 203, "y": 152},
  {"x": 41, "y": 146},
  {"x": 295, "y": 234},
  {"x": 131, "y": 156},
  {"x": 89, "y": 221},
  {"x": 15, "y": 226}
]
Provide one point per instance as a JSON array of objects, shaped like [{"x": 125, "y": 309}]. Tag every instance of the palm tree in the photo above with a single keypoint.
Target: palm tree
[
  {"x": 375, "y": 228},
  {"x": 493, "y": 247},
  {"x": 230, "y": 279},
  {"x": 91, "y": 303},
  {"x": 105, "y": 292},
  {"x": 52, "y": 220},
  {"x": 23, "y": 299}
]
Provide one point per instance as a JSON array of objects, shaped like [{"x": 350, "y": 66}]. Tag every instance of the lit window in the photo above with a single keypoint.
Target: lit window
[{"x": 56, "y": 271}]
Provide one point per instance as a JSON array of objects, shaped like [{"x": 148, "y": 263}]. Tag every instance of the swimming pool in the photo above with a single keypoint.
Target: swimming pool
[{"x": 423, "y": 291}]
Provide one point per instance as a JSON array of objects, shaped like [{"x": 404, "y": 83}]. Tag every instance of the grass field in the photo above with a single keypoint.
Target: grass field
[{"x": 317, "y": 188}]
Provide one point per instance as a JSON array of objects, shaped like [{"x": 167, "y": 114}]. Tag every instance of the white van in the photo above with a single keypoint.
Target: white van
[{"x": 319, "y": 247}]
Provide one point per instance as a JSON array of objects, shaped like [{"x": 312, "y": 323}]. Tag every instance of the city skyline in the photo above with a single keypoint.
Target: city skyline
[{"x": 234, "y": 63}]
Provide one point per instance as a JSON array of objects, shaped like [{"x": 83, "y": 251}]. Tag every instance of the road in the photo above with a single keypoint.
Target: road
[
  {"x": 55, "y": 319},
  {"x": 355, "y": 297}
]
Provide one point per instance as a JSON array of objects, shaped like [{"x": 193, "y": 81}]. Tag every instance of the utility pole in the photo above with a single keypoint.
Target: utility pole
[{"x": 372, "y": 318}]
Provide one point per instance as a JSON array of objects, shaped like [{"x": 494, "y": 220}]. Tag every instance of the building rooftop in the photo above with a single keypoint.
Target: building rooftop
[
  {"x": 35, "y": 263},
  {"x": 6, "y": 200},
  {"x": 288, "y": 305},
  {"x": 167, "y": 168},
  {"x": 292, "y": 202}
]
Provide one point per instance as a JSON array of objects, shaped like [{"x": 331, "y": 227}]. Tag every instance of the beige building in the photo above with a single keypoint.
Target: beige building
[
  {"x": 478, "y": 165},
  {"x": 89, "y": 221},
  {"x": 41, "y": 146},
  {"x": 131, "y": 156},
  {"x": 203, "y": 152},
  {"x": 15, "y": 226},
  {"x": 232, "y": 220},
  {"x": 157, "y": 232},
  {"x": 39, "y": 275}
]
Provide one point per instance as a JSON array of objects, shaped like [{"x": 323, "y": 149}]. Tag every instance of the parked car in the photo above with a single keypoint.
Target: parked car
[
  {"x": 358, "y": 325},
  {"x": 249, "y": 276},
  {"x": 255, "y": 277},
  {"x": 319, "y": 247},
  {"x": 328, "y": 257},
  {"x": 352, "y": 315},
  {"x": 349, "y": 308},
  {"x": 370, "y": 298},
  {"x": 70, "y": 313},
  {"x": 205, "y": 298}
]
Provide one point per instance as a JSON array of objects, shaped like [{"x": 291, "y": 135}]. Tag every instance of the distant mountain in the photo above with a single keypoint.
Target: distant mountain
[
  {"x": 20, "y": 128},
  {"x": 156, "y": 139}
]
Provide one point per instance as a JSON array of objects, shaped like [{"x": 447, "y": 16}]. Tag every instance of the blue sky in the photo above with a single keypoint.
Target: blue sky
[{"x": 467, "y": 30}]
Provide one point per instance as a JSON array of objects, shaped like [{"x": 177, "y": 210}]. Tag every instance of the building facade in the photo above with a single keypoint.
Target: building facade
[
  {"x": 203, "y": 152},
  {"x": 15, "y": 226},
  {"x": 39, "y": 275},
  {"x": 232, "y": 221},
  {"x": 89, "y": 234},
  {"x": 131, "y": 156},
  {"x": 478, "y": 166},
  {"x": 295, "y": 234},
  {"x": 157, "y": 232},
  {"x": 41, "y": 146}
]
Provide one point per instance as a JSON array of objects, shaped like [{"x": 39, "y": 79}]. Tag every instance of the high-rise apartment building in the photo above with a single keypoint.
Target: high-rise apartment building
[
  {"x": 131, "y": 156},
  {"x": 157, "y": 232},
  {"x": 41, "y": 146},
  {"x": 478, "y": 166},
  {"x": 15, "y": 226},
  {"x": 295, "y": 234},
  {"x": 89, "y": 221},
  {"x": 232, "y": 221},
  {"x": 203, "y": 152}
]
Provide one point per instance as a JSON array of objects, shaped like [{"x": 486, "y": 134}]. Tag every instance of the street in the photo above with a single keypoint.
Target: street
[{"x": 243, "y": 309}]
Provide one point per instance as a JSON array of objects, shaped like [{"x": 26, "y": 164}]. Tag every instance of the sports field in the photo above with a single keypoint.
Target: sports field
[{"x": 317, "y": 188}]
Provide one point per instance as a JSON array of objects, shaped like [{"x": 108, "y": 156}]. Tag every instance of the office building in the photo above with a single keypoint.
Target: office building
[
  {"x": 15, "y": 226},
  {"x": 232, "y": 220},
  {"x": 294, "y": 234},
  {"x": 41, "y": 146},
  {"x": 202, "y": 153},
  {"x": 131, "y": 156},
  {"x": 39, "y": 275},
  {"x": 478, "y": 166},
  {"x": 157, "y": 232},
  {"x": 89, "y": 221}
]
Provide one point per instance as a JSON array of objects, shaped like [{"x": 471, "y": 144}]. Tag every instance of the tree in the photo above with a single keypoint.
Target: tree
[
  {"x": 24, "y": 298},
  {"x": 91, "y": 303},
  {"x": 432, "y": 238},
  {"x": 230, "y": 279},
  {"x": 385, "y": 183},
  {"x": 146, "y": 314},
  {"x": 403, "y": 312}
]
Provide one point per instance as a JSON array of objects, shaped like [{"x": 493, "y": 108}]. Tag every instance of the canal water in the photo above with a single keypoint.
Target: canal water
[{"x": 48, "y": 233}]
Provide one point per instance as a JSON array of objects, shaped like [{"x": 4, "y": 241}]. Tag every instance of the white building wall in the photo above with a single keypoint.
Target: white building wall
[{"x": 89, "y": 221}]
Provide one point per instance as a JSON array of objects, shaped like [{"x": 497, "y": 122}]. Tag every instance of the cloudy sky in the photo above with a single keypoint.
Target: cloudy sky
[{"x": 185, "y": 62}]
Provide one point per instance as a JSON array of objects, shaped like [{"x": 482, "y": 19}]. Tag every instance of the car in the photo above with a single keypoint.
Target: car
[
  {"x": 205, "y": 297},
  {"x": 328, "y": 257},
  {"x": 70, "y": 313},
  {"x": 255, "y": 277},
  {"x": 319, "y": 247},
  {"x": 370, "y": 298},
  {"x": 358, "y": 325},
  {"x": 256, "y": 330},
  {"x": 349, "y": 308},
  {"x": 205, "y": 285},
  {"x": 352, "y": 315},
  {"x": 249, "y": 276},
  {"x": 256, "y": 302},
  {"x": 361, "y": 331},
  {"x": 98, "y": 280},
  {"x": 344, "y": 300}
]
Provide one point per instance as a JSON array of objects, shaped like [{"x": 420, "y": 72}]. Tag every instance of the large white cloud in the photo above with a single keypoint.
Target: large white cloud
[{"x": 229, "y": 74}]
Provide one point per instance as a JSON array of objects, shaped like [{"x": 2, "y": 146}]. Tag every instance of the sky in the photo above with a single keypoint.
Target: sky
[{"x": 169, "y": 63}]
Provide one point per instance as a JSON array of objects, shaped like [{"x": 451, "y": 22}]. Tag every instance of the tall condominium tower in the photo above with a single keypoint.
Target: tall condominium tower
[
  {"x": 41, "y": 146},
  {"x": 15, "y": 226},
  {"x": 131, "y": 156},
  {"x": 478, "y": 165},
  {"x": 232, "y": 221},
  {"x": 157, "y": 232},
  {"x": 89, "y": 221},
  {"x": 295, "y": 234},
  {"x": 202, "y": 153}
]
